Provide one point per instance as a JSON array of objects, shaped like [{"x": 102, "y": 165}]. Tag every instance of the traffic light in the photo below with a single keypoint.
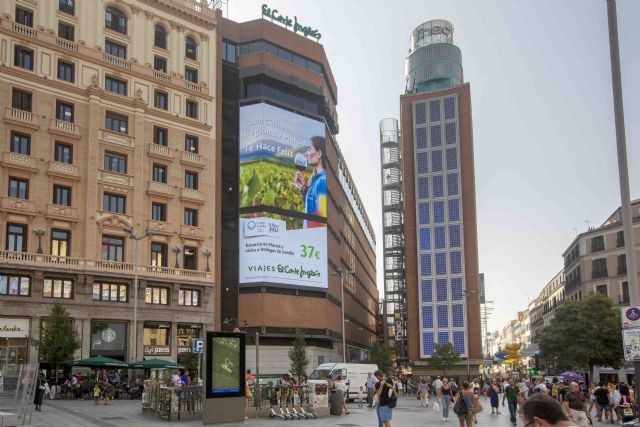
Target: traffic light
[{"x": 532, "y": 371}]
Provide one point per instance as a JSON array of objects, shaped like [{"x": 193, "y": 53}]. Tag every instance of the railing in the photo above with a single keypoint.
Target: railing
[
  {"x": 66, "y": 44},
  {"x": 193, "y": 86},
  {"x": 14, "y": 113},
  {"x": 173, "y": 403},
  {"x": 23, "y": 29},
  {"x": 162, "y": 150},
  {"x": 115, "y": 60},
  {"x": 161, "y": 75},
  {"x": 19, "y": 159},
  {"x": 190, "y": 157},
  {"x": 65, "y": 126},
  {"x": 17, "y": 255},
  {"x": 189, "y": 193}
]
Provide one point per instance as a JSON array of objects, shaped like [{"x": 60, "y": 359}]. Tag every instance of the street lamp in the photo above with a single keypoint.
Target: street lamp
[
  {"x": 207, "y": 254},
  {"x": 39, "y": 232},
  {"x": 136, "y": 239},
  {"x": 340, "y": 273},
  {"x": 176, "y": 250}
]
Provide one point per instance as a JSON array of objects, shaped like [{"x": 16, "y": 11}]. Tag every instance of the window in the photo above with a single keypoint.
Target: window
[
  {"x": 18, "y": 188},
  {"x": 449, "y": 107},
  {"x": 115, "y": 162},
  {"x": 619, "y": 238},
  {"x": 425, "y": 238},
  {"x": 456, "y": 289},
  {"x": 427, "y": 344},
  {"x": 436, "y": 136},
  {"x": 159, "y": 173},
  {"x": 23, "y": 57},
  {"x": 442, "y": 292},
  {"x": 420, "y": 113},
  {"x": 160, "y": 37},
  {"x": 436, "y": 161},
  {"x": 63, "y": 153},
  {"x": 189, "y": 297},
  {"x": 622, "y": 264},
  {"x": 64, "y": 111},
  {"x": 192, "y": 109},
  {"x": 454, "y": 236},
  {"x": 118, "y": 86},
  {"x": 191, "y": 74},
  {"x": 454, "y": 209},
  {"x": 191, "y": 180},
  {"x": 115, "y": 292},
  {"x": 458, "y": 342},
  {"x": 421, "y": 162},
  {"x": 450, "y": 133},
  {"x": 66, "y": 71},
  {"x": 155, "y": 295},
  {"x": 61, "y": 195},
  {"x": 115, "y": 20},
  {"x": 423, "y": 187},
  {"x": 191, "y": 144},
  {"x": 190, "y": 258},
  {"x": 66, "y": 31},
  {"x": 443, "y": 316},
  {"x": 16, "y": 237},
  {"x": 159, "y": 254},
  {"x": 599, "y": 268},
  {"x": 113, "y": 203},
  {"x": 57, "y": 288},
  {"x": 158, "y": 211},
  {"x": 425, "y": 264},
  {"x": 229, "y": 52},
  {"x": 438, "y": 212},
  {"x": 597, "y": 244},
  {"x": 161, "y": 100},
  {"x": 439, "y": 238},
  {"x": 434, "y": 110},
  {"x": 427, "y": 317},
  {"x": 11, "y": 284},
  {"x": 67, "y": 6},
  {"x": 190, "y": 48},
  {"x": 24, "y": 16},
  {"x": 423, "y": 214},
  {"x": 116, "y": 123},
  {"x": 441, "y": 263},
  {"x": 426, "y": 291},
  {"x": 112, "y": 248},
  {"x": 602, "y": 290},
  {"x": 438, "y": 186},
  {"x": 452, "y": 158},
  {"x": 60, "y": 243},
  {"x": 452, "y": 184},
  {"x": 191, "y": 217},
  {"x": 160, "y": 64},
  {"x": 160, "y": 136},
  {"x": 624, "y": 293},
  {"x": 421, "y": 138},
  {"x": 455, "y": 258},
  {"x": 20, "y": 143},
  {"x": 21, "y": 100},
  {"x": 115, "y": 49}
]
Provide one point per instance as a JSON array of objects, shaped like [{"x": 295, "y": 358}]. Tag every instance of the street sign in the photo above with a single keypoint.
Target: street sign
[
  {"x": 631, "y": 338},
  {"x": 630, "y": 317},
  {"x": 198, "y": 345}
]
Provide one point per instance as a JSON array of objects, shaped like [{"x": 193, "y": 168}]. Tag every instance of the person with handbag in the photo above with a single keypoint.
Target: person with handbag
[
  {"x": 463, "y": 407},
  {"x": 38, "y": 397},
  {"x": 625, "y": 404},
  {"x": 575, "y": 406}
]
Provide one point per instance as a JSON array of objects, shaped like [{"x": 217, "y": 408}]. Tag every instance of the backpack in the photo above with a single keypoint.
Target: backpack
[
  {"x": 554, "y": 390},
  {"x": 460, "y": 408},
  {"x": 393, "y": 398}
]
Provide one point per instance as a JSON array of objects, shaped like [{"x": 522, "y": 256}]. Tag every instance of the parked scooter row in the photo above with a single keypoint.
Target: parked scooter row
[{"x": 286, "y": 414}]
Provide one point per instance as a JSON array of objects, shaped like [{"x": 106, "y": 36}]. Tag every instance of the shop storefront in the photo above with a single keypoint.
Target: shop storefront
[
  {"x": 14, "y": 341},
  {"x": 109, "y": 339},
  {"x": 156, "y": 339}
]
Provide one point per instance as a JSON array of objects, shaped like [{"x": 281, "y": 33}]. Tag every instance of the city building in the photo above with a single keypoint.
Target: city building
[
  {"x": 552, "y": 297},
  {"x": 108, "y": 134},
  {"x": 438, "y": 198},
  {"x": 277, "y": 93}
]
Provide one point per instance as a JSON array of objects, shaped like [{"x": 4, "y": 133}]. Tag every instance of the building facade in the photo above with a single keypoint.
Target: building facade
[
  {"x": 439, "y": 218},
  {"x": 107, "y": 134},
  {"x": 271, "y": 70}
]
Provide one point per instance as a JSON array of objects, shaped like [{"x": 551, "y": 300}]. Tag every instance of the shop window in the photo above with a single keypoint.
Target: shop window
[{"x": 109, "y": 339}]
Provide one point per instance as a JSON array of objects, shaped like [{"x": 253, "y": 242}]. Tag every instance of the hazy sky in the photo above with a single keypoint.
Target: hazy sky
[{"x": 542, "y": 116}]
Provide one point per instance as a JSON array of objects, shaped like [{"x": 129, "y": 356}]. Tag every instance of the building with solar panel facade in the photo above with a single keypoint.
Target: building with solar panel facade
[{"x": 438, "y": 206}]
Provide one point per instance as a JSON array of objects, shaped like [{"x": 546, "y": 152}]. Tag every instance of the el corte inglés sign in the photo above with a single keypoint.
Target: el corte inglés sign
[{"x": 275, "y": 15}]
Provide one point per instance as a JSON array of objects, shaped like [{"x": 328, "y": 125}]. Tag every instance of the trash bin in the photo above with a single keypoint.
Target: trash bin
[{"x": 335, "y": 402}]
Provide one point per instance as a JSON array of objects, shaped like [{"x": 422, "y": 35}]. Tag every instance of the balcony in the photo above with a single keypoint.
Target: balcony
[
  {"x": 66, "y": 44},
  {"x": 20, "y": 117},
  {"x": 192, "y": 159},
  {"x": 21, "y": 206},
  {"x": 599, "y": 274},
  {"x": 82, "y": 265},
  {"x": 160, "y": 151},
  {"x": 160, "y": 189},
  {"x": 19, "y": 161},
  {"x": 190, "y": 232},
  {"x": 24, "y": 30},
  {"x": 117, "y": 61},
  {"x": 193, "y": 86},
  {"x": 192, "y": 195},
  {"x": 119, "y": 139},
  {"x": 161, "y": 75},
  {"x": 66, "y": 213},
  {"x": 65, "y": 170},
  {"x": 64, "y": 128},
  {"x": 160, "y": 227},
  {"x": 115, "y": 178}
]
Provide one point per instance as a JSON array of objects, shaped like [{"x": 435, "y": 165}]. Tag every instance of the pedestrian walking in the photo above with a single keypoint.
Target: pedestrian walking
[
  {"x": 371, "y": 386},
  {"x": 437, "y": 387},
  {"x": 340, "y": 385},
  {"x": 603, "y": 398},
  {"x": 511, "y": 395},
  {"x": 38, "y": 397},
  {"x": 575, "y": 406},
  {"x": 360, "y": 396},
  {"x": 96, "y": 392},
  {"x": 626, "y": 403},
  {"x": 540, "y": 410},
  {"x": 615, "y": 399},
  {"x": 385, "y": 397},
  {"x": 466, "y": 396},
  {"x": 423, "y": 391},
  {"x": 523, "y": 385},
  {"x": 592, "y": 398},
  {"x": 494, "y": 399},
  {"x": 446, "y": 397}
]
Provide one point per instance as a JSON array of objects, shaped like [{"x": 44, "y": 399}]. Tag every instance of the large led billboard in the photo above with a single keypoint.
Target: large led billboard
[
  {"x": 283, "y": 198},
  {"x": 225, "y": 364}
]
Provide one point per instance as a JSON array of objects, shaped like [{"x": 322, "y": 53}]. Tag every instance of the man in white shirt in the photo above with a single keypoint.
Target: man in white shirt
[
  {"x": 437, "y": 386},
  {"x": 371, "y": 388}
]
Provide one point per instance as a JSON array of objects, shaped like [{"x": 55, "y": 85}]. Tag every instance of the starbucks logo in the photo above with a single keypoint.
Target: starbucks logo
[{"x": 108, "y": 335}]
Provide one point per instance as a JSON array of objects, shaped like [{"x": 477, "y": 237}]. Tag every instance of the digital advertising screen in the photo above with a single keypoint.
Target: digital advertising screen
[
  {"x": 283, "y": 198},
  {"x": 225, "y": 364}
]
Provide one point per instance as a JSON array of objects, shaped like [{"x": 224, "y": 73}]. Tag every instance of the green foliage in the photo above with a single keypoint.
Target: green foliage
[
  {"x": 190, "y": 362},
  {"x": 58, "y": 338},
  {"x": 584, "y": 334},
  {"x": 382, "y": 356},
  {"x": 298, "y": 356},
  {"x": 269, "y": 183},
  {"x": 443, "y": 357}
]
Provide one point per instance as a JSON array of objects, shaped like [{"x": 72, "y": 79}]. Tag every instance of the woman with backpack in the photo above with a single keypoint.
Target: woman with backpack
[
  {"x": 387, "y": 399},
  {"x": 463, "y": 407}
]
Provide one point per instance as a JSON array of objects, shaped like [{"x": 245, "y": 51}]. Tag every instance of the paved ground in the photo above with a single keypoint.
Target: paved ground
[{"x": 74, "y": 413}]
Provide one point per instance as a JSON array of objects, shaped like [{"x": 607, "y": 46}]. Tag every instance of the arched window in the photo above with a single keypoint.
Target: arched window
[
  {"x": 160, "y": 39},
  {"x": 115, "y": 20},
  {"x": 190, "y": 45}
]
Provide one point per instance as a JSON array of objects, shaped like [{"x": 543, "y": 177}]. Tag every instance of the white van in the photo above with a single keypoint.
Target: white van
[{"x": 355, "y": 375}]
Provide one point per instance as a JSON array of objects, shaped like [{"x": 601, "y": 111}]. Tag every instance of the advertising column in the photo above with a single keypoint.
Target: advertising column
[{"x": 283, "y": 199}]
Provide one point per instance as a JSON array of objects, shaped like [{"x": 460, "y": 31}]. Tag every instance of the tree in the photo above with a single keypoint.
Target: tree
[
  {"x": 58, "y": 338},
  {"x": 382, "y": 356},
  {"x": 443, "y": 357},
  {"x": 298, "y": 356},
  {"x": 584, "y": 334}
]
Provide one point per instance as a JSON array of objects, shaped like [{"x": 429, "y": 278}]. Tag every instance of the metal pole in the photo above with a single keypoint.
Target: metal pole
[
  {"x": 623, "y": 172},
  {"x": 135, "y": 296},
  {"x": 257, "y": 387},
  {"x": 344, "y": 341}
]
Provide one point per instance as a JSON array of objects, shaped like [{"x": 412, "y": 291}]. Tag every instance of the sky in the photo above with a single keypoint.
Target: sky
[{"x": 544, "y": 136}]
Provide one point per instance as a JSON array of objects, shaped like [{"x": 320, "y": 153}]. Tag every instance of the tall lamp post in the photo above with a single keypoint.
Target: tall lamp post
[
  {"x": 39, "y": 232},
  {"x": 340, "y": 272},
  {"x": 136, "y": 239}
]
